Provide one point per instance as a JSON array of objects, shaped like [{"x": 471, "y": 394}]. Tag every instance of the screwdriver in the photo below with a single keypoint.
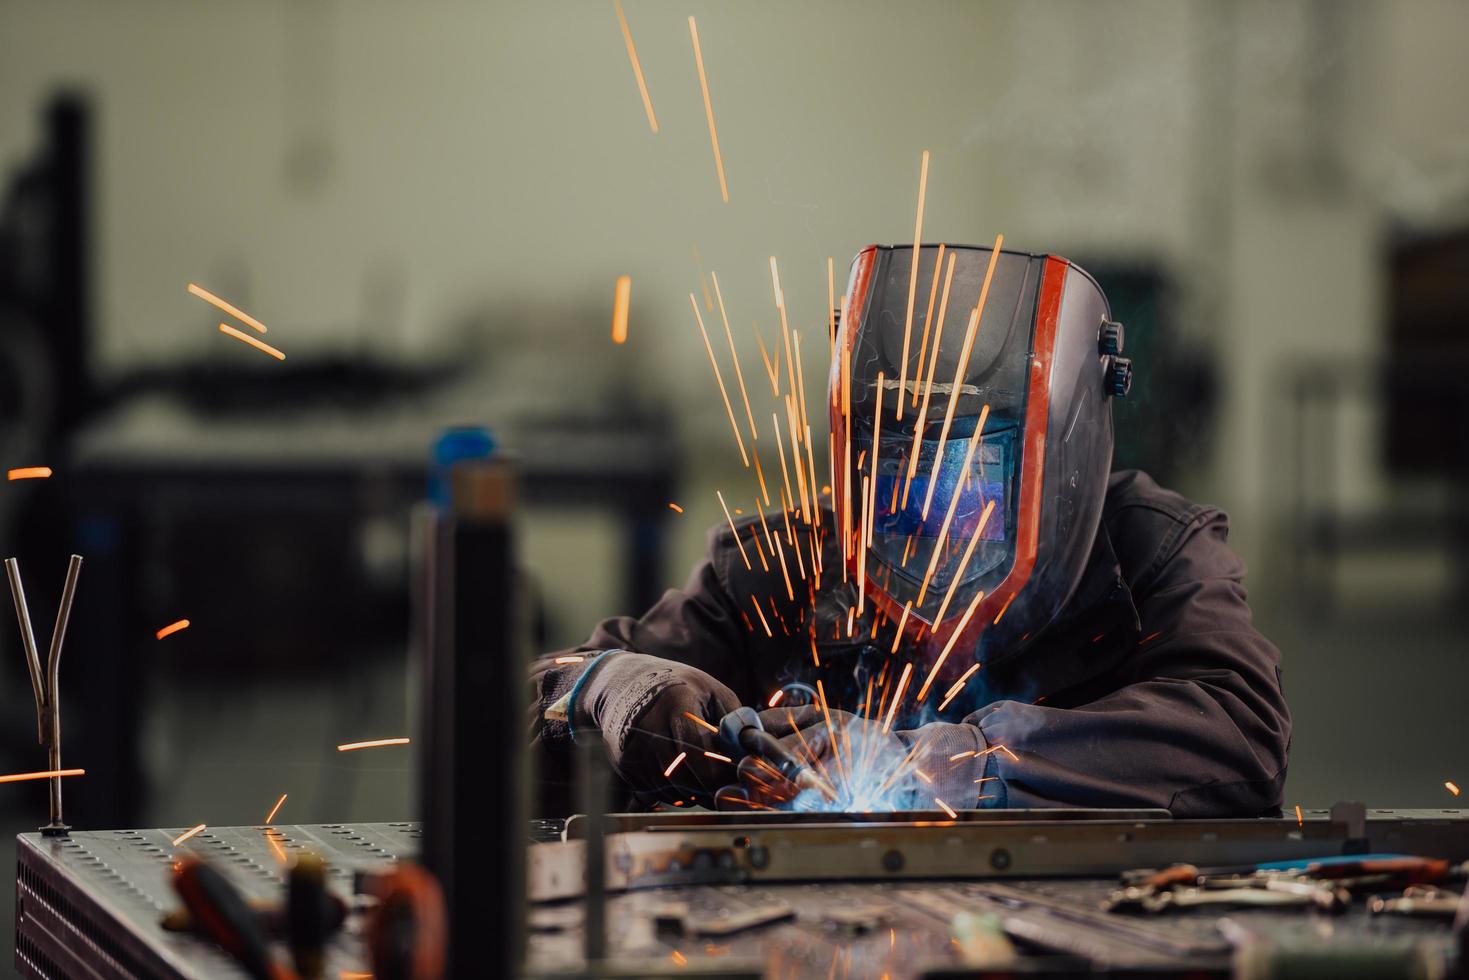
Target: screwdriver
[{"x": 742, "y": 733}]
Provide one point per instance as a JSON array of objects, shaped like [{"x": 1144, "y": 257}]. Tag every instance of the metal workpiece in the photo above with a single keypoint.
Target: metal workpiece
[
  {"x": 660, "y": 849},
  {"x": 46, "y": 685},
  {"x": 703, "y": 895}
]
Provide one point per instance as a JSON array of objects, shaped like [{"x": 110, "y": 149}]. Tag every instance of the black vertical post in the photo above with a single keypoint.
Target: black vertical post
[
  {"x": 69, "y": 296},
  {"x": 473, "y": 724}
]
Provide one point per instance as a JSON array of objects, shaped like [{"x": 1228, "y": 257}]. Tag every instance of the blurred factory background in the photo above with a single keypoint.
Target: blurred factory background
[{"x": 429, "y": 204}]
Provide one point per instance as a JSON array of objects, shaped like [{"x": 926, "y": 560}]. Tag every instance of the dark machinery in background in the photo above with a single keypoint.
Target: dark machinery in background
[
  {"x": 236, "y": 484},
  {"x": 1418, "y": 388}
]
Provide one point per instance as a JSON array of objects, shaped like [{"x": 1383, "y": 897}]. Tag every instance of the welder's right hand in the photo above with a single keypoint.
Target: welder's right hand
[{"x": 642, "y": 706}]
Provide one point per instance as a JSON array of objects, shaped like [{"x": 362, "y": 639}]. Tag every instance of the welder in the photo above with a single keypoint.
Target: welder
[{"x": 1066, "y": 635}]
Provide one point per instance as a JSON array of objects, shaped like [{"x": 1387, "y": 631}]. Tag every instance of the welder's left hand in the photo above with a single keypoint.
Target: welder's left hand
[{"x": 871, "y": 769}]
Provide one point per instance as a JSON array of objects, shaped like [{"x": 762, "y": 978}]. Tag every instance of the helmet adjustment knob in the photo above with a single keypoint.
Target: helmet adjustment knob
[
  {"x": 1117, "y": 375},
  {"x": 1109, "y": 338}
]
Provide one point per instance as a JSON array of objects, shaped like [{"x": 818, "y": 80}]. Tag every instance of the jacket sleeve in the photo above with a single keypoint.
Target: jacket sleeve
[
  {"x": 697, "y": 625},
  {"x": 1195, "y": 722}
]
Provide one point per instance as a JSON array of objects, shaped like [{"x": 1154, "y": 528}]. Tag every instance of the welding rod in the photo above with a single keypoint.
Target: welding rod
[{"x": 742, "y": 733}]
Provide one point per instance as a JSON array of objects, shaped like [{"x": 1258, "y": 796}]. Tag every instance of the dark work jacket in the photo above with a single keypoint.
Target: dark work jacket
[{"x": 1151, "y": 688}]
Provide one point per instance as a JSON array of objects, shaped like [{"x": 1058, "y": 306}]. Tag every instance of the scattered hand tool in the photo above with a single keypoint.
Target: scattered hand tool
[
  {"x": 407, "y": 934},
  {"x": 45, "y": 686},
  {"x": 307, "y": 920},
  {"x": 313, "y": 915},
  {"x": 1327, "y": 883},
  {"x": 222, "y": 914},
  {"x": 676, "y": 919},
  {"x": 1427, "y": 901},
  {"x": 742, "y": 733}
]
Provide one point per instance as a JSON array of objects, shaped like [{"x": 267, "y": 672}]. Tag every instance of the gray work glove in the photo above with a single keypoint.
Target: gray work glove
[
  {"x": 641, "y": 706},
  {"x": 870, "y": 769}
]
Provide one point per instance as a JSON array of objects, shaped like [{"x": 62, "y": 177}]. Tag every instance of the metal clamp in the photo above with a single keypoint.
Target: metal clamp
[{"x": 45, "y": 686}]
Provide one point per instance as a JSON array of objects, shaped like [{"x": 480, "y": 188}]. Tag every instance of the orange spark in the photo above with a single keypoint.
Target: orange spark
[
  {"x": 734, "y": 356},
  {"x": 958, "y": 686},
  {"x": 759, "y": 551},
  {"x": 893, "y": 707},
  {"x": 1004, "y": 607},
  {"x": 708, "y": 110},
  {"x": 784, "y": 571},
  {"x": 700, "y": 721},
  {"x": 772, "y": 370},
  {"x": 676, "y": 956},
  {"x": 172, "y": 628},
  {"x": 620, "y": 298},
  {"x": 984, "y": 518},
  {"x": 23, "y": 777},
  {"x": 847, "y": 441},
  {"x": 225, "y": 328},
  {"x": 876, "y": 450},
  {"x": 1451, "y": 787},
  {"x": 811, "y": 467},
  {"x": 674, "y": 764},
  {"x": 901, "y": 622},
  {"x": 187, "y": 834},
  {"x": 1149, "y": 638},
  {"x": 862, "y": 549},
  {"x": 797, "y": 465},
  {"x": 720, "y": 379},
  {"x": 933, "y": 291},
  {"x": 953, "y": 638},
  {"x": 946, "y": 808},
  {"x": 675, "y": 508},
  {"x": 349, "y": 975},
  {"x": 1300, "y": 818},
  {"x": 785, "y": 473},
  {"x": 933, "y": 358},
  {"x": 938, "y": 545},
  {"x": 912, "y": 285},
  {"x": 30, "y": 473},
  {"x": 375, "y": 743},
  {"x": 963, "y": 755},
  {"x": 923, "y": 776},
  {"x": 732, "y": 528},
  {"x": 801, "y": 387},
  {"x": 637, "y": 68},
  {"x": 760, "y": 475},
  {"x": 775, "y": 698},
  {"x": 570, "y": 659},
  {"x": 785, "y": 327},
  {"x": 959, "y": 368},
  {"x": 275, "y": 809},
  {"x": 717, "y": 757},
  {"x": 830, "y": 731},
  {"x": 763, "y": 621},
  {"x": 229, "y": 308},
  {"x": 769, "y": 540}
]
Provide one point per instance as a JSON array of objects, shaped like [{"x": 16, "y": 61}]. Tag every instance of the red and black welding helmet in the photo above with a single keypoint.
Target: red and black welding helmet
[{"x": 970, "y": 404}]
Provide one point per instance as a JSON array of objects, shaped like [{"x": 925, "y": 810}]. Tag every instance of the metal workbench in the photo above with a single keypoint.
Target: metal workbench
[{"x": 869, "y": 896}]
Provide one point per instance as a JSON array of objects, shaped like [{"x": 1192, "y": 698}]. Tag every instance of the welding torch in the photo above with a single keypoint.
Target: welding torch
[{"x": 742, "y": 733}]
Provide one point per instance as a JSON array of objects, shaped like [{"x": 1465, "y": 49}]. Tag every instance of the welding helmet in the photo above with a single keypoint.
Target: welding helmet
[{"x": 970, "y": 401}]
